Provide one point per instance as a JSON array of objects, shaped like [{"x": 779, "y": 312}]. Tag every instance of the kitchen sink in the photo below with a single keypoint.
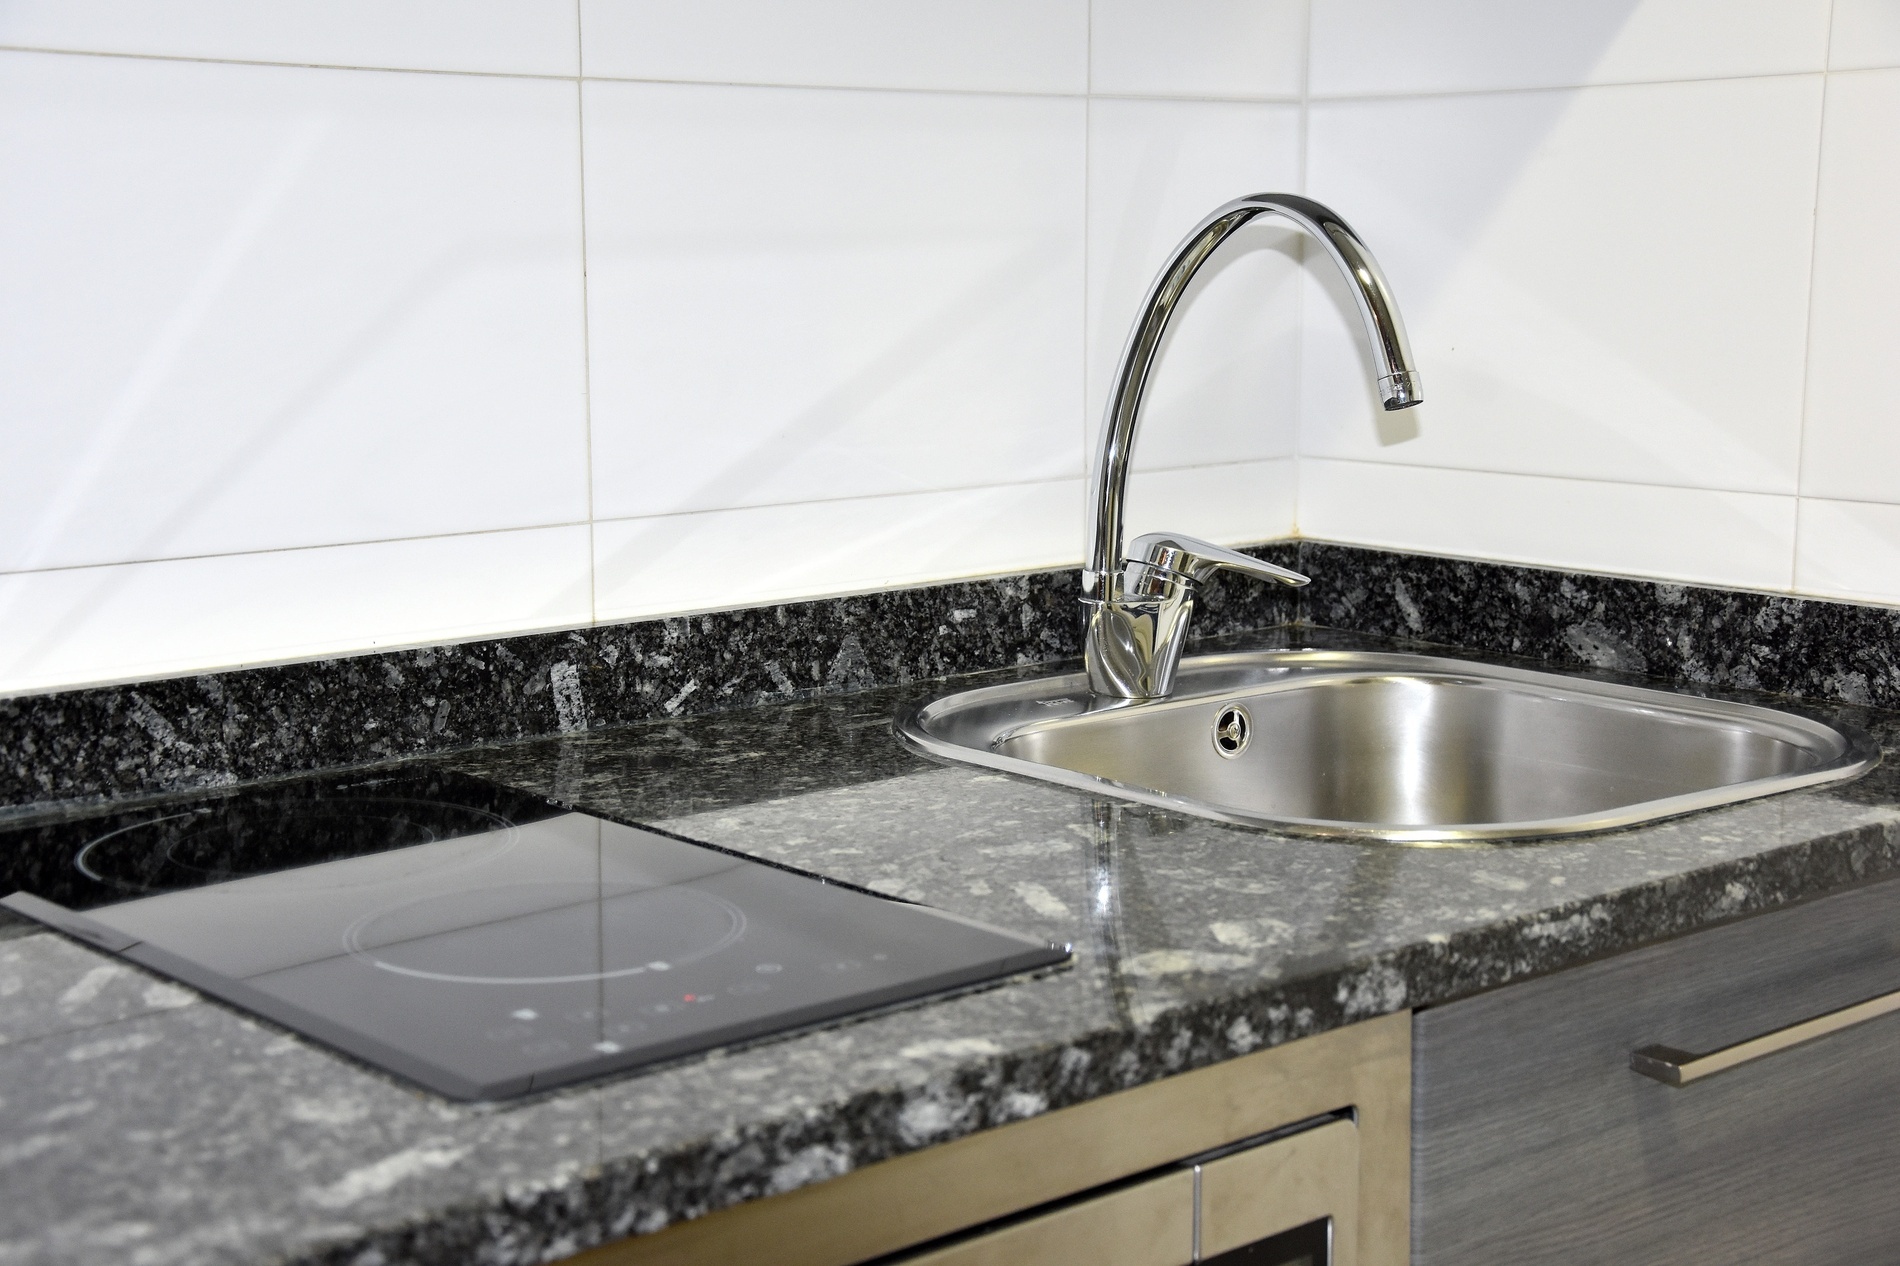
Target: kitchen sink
[{"x": 1388, "y": 746}]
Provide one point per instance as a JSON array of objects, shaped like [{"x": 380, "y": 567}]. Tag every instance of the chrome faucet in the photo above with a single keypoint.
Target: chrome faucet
[{"x": 1138, "y": 607}]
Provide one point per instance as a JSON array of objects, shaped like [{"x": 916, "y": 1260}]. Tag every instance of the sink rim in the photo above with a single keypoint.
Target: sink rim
[{"x": 1206, "y": 677}]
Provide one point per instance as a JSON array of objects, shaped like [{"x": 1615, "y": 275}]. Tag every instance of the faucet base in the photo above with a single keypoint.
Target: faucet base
[{"x": 1133, "y": 646}]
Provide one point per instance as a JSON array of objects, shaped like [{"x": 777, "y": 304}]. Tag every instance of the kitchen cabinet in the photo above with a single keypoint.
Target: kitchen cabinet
[
  {"x": 1260, "y": 1159},
  {"x": 1148, "y": 1223},
  {"x": 1264, "y": 1202},
  {"x": 1536, "y": 1142}
]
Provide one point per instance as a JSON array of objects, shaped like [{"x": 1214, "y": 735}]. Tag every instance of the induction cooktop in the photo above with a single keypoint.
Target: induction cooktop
[{"x": 479, "y": 940}]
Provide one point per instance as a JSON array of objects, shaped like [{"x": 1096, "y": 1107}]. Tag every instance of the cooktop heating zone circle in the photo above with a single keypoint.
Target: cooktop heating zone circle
[
  {"x": 221, "y": 843},
  {"x": 546, "y": 933}
]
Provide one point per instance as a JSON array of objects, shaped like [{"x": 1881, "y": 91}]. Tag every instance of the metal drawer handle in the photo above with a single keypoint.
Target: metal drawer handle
[{"x": 1678, "y": 1068}]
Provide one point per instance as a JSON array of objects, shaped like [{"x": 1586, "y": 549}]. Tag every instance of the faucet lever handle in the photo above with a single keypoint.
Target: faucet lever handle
[{"x": 1196, "y": 560}]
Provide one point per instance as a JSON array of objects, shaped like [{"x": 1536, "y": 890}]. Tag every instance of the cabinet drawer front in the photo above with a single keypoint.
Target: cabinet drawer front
[
  {"x": 1535, "y": 1142},
  {"x": 1280, "y": 1185},
  {"x": 1148, "y": 1224}
]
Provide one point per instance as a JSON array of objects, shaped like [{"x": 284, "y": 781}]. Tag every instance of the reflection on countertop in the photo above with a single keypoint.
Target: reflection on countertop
[{"x": 139, "y": 1122}]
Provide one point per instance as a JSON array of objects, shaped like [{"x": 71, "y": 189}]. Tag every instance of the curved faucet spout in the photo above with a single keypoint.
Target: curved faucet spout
[
  {"x": 1398, "y": 380},
  {"x": 1128, "y": 655}
]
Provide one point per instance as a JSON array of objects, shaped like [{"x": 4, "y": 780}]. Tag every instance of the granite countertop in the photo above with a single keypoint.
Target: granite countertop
[{"x": 143, "y": 1124}]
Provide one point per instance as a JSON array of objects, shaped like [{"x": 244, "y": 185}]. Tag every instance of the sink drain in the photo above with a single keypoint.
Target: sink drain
[{"x": 1232, "y": 728}]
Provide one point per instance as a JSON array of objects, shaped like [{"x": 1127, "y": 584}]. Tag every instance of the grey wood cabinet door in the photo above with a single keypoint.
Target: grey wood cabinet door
[{"x": 1534, "y": 1142}]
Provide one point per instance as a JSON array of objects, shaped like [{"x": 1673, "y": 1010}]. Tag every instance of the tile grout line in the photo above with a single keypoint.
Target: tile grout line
[
  {"x": 1029, "y": 93},
  {"x": 629, "y": 518},
  {"x": 1299, "y": 289},
  {"x": 1306, "y": 88},
  {"x": 587, "y": 338},
  {"x": 542, "y": 76},
  {"x": 923, "y": 492},
  {"x": 294, "y": 549},
  {"x": 282, "y": 65},
  {"x": 1431, "y": 94},
  {"x": 587, "y": 384},
  {"x": 1088, "y": 237},
  {"x": 1807, "y": 341},
  {"x": 1580, "y": 479}
]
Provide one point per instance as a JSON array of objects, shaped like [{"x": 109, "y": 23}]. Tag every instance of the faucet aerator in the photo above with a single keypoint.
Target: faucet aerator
[{"x": 1401, "y": 391}]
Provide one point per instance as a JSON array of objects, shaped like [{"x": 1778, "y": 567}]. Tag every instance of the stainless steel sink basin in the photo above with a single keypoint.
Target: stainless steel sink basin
[{"x": 1387, "y": 746}]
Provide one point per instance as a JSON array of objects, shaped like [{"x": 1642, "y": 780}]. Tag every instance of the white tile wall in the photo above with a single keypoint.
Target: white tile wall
[
  {"x": 131, "y": 621},
  {"x": 1226, "y": 385},
  {"x": 1234, "y": 501},
  {"x": 1384, "y": 47},
  {"x": 334, "y": 351},
  {"x": 761, "y": 554},
  {"x": 1721, "y": 538},
  {"x": 798, "y": 294},
  {"x": 969, "y": 45},
  {"x": 1198, "y": 48},
  {"x": 1849, "y": 549},
  {"x": 1866, "y": 33},
  {"x": 1607, "y": 283},
  {"x": 521, "y": 37},
  {"x": 258, "y": 308},
  {"x": 1852, "y": 445}
]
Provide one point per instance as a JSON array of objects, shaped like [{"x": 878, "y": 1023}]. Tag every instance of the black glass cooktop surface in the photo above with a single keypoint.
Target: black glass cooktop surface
[{"x": 482, "y": 941}]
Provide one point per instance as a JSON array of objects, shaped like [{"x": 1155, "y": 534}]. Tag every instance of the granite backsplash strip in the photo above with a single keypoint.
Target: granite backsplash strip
[
  {"x": 218, "y": 728},
  {"x": 1809, "y": 648}
]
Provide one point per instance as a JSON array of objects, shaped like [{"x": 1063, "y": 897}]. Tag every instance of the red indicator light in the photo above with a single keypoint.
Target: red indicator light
[{"x": 691, "y": 998}]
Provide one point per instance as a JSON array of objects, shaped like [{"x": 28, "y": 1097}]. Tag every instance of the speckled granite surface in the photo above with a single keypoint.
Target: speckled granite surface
[
  {"x": 1838, "y": 651},
  {"x": 219, "y": 728},
  {"x": 140, "y": 1124}
]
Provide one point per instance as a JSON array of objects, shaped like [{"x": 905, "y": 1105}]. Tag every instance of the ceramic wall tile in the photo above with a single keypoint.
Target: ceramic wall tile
[
  {"x": 1197, "y": 48},
  {"x": 977, "y": 45},
  {"x": 1609, "y": 283},
  {"x": 1225, "y": 387},
  {"x": 533, "y": 37},
  {"x": 140, "y": 620},
  {"x": 798, "y": 295},
  {"x": 1851, "y": 447},
  {"x": 742, "y": 557},
  {"x": 264, "y": 307},
  {"x": 1849, "y": 549},
  {"x": 1865, "y": 33},
  {"x": 1720, "y": 538},
  {"x": 1232, "y": 504},
  {"x": 1378, "y": 47}
]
